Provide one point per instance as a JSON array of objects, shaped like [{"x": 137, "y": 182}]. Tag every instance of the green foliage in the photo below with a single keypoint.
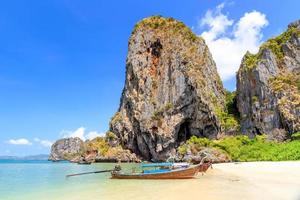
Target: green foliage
[
  {"x": 195, "y": 144},
  {"x": 102, "y": 147},
  {"x": 274, "y": 44},
  {"x": 242, "y": 148},
  {"x": 227, "y": 120},
  {"x": 250, "y": 60},
  {"x": 285, "y": 36},
  {"x": 254, "y": 99},
  {"x": 168, "y": 106},
  {"x": 169, "y": 24},
  {"x": 116, "y": 118},
  {"x": 70, "y": 156},
  {"x": 279, "y": 83},
  {"x": 295, "y": 136},
  {"x": 182, "y": 150},
  {"x": 200, "y": 142},
  {"x": 231, "y": 103},
  {"x": 110, "y": 135},
  {"x": 231, "y": 123},
  {"x": 99, "y": 144},
  {"x": 229, "y": 117}
]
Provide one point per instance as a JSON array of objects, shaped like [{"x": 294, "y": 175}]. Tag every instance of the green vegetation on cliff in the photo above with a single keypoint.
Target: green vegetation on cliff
[
  {"x": 98, "y": 144},
  {"x": 273, "y": 44},
  {"x": 110, "y": 136},
  {"x": 296, "y": 136},
  {"x": 161, "y": 23},
  {"x": 116, "y": 118},
  {"x": 285, "y": 81},
  {"x": 229, "y": 116},
  {"x": 108, "y": 149},
  {"x": 287, "y": 87},
  {"x": 250, "y": 60},
  {"x": 242, "y": 148},
  {"x": 158, "y": 114}
]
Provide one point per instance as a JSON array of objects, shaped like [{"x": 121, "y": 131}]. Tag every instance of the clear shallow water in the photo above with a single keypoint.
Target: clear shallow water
[
  {"x": 43, "y": 180},
  {"x": 46, "y": 180}
]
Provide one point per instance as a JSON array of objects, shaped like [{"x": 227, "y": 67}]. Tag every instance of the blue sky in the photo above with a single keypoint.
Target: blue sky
[{"x": 62, "y": 62}]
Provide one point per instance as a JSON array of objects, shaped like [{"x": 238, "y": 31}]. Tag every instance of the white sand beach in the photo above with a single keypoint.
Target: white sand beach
[{"x": 227, "y": 181}]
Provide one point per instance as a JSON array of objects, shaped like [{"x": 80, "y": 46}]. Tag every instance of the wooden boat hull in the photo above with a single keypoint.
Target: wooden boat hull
[
  {"x": 187, "y": 173},
  {"x": 204, "y": 167}
]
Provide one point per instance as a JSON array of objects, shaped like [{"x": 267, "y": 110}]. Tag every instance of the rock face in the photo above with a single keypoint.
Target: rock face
[
  {"x": 67, "y": 149},
  {"x": 268, "y": 87},
  {"x": 107, "y": 150},
  {"x": 172, "y": 90},
  {"x": 119, "y": 154},
  {"x": 99, "y": 149},
  {"x": 214, "y": 155}
]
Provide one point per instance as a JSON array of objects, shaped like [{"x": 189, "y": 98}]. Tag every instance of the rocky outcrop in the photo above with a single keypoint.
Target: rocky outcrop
[
  {"x": 107, "y": 150},
  {"x": 172, "y": 90},
  {"x": 100, "y": 149},
  {"x": 268, "y": 87},
  {"x": 67, "y": 149},
  {"x": 212, "y": 154},
  {"x": 118, "y": 155}
]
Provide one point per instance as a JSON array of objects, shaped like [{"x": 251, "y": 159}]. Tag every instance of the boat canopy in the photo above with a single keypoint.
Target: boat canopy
[
  {"x": 183, "y": 164},
  {"x": 156, "y": 171},
  {"x": 165, "y": 164}
]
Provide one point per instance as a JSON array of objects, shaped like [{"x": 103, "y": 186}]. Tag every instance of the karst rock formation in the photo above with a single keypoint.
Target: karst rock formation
[
  {"x": 172, "y": 90},
  {"x": 268, "y": 87}
]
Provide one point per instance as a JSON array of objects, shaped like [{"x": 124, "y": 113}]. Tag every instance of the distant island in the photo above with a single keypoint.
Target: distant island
[{"x": 30, "y": 157}]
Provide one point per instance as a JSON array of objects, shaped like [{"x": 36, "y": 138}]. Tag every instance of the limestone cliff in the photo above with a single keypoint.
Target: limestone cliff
[
  {"x": 172, "y": 90},
  {"x": 67, "y": 149},
  {"x": 99, "y": 149},
  {"x": 268, "y": 86}
]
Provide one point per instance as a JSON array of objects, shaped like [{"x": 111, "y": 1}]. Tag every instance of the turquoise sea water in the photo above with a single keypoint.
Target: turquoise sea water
[
  {"x": 46, "y": 180},
  {"x": 43, "y": 180}
]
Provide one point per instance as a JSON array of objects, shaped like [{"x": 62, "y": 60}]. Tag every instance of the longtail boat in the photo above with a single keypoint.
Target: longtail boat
[{"x": 163, "y": 171}]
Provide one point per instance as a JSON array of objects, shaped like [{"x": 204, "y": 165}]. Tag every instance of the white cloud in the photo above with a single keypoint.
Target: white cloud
[
  {"x": 45, "y": 143},
  {"x": 81, "y": 133},
  {"x": 21, "y": 141},
  {"x": 77, "y": 133},
  {"x": 216, "y": 21},
  {"x": 93, "y": 134},
  {"x": 229, "y": 46}
]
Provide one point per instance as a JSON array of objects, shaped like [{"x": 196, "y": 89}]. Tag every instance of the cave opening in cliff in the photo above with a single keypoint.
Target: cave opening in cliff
[
  {"x": 257, "y": 131},
  {"x": 184, "y": 132}
]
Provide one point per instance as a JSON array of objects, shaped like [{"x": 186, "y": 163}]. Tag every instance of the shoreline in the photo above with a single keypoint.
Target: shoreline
[{"x": 226, "y": 181}]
